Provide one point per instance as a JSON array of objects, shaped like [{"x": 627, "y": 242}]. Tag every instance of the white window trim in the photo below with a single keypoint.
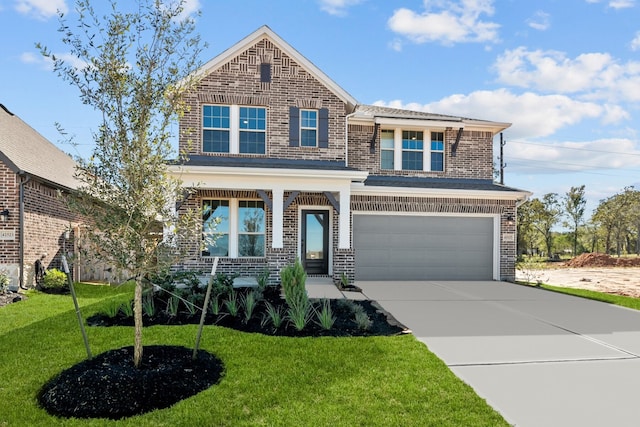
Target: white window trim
[
  {"x": 426, "y": 151},
  {"x": 234, "y": 231},
  {"x": 308, "y": 128},
  {"x": 234, "y": 126}
]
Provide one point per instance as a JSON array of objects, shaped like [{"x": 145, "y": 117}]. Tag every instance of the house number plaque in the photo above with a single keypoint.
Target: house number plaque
[{"x": 7, "y": 234}]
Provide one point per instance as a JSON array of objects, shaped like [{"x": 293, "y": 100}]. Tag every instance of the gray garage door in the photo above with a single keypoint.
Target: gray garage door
[{"x": 389, "y": 247}]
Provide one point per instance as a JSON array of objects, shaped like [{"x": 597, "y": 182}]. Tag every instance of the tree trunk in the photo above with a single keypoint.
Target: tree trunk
[{"x": 137, "y": 312}]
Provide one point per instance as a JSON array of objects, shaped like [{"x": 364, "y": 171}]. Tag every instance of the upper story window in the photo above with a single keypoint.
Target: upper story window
[
  {"x": 412, "y": 150},
  {"x": 437, "y": 151},
  {"x": 215, "y": 128},
  {"x": 234, "y": 129},
  {"x": 386, "y": 149},
  {"x": 402, "y": 149},
  {"x": 308, "y": 128}
]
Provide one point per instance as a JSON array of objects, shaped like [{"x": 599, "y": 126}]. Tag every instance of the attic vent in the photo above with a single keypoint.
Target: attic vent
[{"x": 265, "y": 73}]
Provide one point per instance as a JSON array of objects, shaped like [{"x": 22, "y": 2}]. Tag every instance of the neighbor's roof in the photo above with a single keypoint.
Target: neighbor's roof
[
  {"x": 265, "y": 32},
  {"x": 387, "y": 115},
  {"x": 24, "y": 150}
]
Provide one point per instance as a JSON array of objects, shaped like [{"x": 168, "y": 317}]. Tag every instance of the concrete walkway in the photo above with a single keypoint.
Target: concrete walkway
[{"x": 539, "y": 358}]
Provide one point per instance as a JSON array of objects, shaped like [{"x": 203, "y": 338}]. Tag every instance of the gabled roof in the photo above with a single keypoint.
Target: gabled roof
[
  {"x": 265, "y": 32},
  {"x": 24, "y": 150},
  {"x": 397, "y": 116}
]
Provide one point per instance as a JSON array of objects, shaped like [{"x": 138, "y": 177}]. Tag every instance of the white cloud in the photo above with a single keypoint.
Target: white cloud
[
  {"x": 41, "y": 9},
  {"x": 47, "y": 63},
  {"x": 532, "y": 115},
  {"x": 337, "y": 7},
  {"x": 540, "y": 21},
  {"x": 448, "y": 23},
  {"x": 590, "y": 75},
  {"x": 635, "y": 43},
  {"x": 571, "y": 156},
  {"x": 621, "y": 4}
]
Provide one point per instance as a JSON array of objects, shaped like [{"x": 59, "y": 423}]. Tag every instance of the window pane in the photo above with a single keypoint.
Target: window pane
[
  {"x": 251, "y": 226},
  {"x": 308, "y": 138},
  {"x": 437, "y": 161},
  {"x": 252, "y": 142},
  {"x": 412, "y": 140},
  {"x": 215, "y": 236},
  {"x": 251, "y": 216},
  {"x": 308, "y": 119},
  {"x": 386, "y": 139},
  {"x": 253, "y": 118},
  {"x": 386, "y": 159},
  {"x": 412, "y": 160},
  {"x": 215, "y": 116},
  {"x": 251, "y": 245},
  {"x": 215, "y": 141}
]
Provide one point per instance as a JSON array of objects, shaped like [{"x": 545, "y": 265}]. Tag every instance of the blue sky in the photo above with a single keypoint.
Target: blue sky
[{"x": 566, "y": 73}]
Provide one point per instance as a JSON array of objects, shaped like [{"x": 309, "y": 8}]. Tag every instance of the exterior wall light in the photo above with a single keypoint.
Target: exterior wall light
[
  {"x": 510, "y": 220},
  {"x": 4, "y": 215}
]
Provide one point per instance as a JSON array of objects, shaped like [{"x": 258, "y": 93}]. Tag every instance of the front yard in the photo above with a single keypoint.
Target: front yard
[{"x": 268, "y": 380}]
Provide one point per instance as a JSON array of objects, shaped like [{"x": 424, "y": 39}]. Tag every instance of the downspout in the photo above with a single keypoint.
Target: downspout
[
  {"x": 24, "y": 178},
  {"x": 346, "y": 136}
]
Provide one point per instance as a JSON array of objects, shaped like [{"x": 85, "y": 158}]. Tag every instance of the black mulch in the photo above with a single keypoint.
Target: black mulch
[{"x": 110, "y": 386}]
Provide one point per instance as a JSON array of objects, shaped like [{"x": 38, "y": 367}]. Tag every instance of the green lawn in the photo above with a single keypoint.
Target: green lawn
[
  {"x": 274, "y": 381},
  {"x": 623, "y": 301}
]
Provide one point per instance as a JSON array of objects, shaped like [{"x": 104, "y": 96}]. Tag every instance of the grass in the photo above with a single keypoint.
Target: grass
[
  {"x": 274, "y": 381},
  {"x": 620, "y": 300}
]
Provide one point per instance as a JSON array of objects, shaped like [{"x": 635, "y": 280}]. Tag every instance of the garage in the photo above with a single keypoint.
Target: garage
[{"x": 403, "y": 247}]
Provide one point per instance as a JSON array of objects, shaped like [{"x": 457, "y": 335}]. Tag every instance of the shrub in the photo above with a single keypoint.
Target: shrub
[
  {"x": 293, "y": 279},
  {"x": 248, "y": 302},
  {"x": 324, "y": 316},
  {"x": 172, "y": 306},
  {"x": 232, "y": 304},
  {"x": 149, "y": 306},
  {"x": 112, "y": 309},
  {"x": 362, "y": 320},
  {"x": 127, "y": 308},
  {"x": 299, "y": 313},
  {"x": 274, "y": 314},
  {"x": 4, "y": 282},
  {"x": 54, "y": 280}
]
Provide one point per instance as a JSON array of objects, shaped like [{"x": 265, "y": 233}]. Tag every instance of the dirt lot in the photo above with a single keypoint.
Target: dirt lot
[{"x": 596, "y": 272}]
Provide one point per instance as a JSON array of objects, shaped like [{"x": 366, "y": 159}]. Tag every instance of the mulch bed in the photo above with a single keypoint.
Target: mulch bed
[{"x": 110, "y": 386}]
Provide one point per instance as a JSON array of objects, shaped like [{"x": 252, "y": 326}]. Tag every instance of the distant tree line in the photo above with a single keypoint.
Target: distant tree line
[{"x": 614, "y": 226}]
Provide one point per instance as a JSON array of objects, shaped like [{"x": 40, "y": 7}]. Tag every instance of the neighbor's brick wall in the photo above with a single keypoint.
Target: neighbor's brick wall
[
  {"x": 238, "y": 82},
  {"x": 504, "y": 208},
  {"x": 9, "y": 199},
  {"x": 474, "y": 156},
  {"x": 46, "y": 218}
]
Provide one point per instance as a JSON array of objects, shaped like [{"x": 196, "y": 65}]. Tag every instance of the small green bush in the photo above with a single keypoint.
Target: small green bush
[
  {"x": 54, "y": 280},
  {"x": 4, "y": 282}
]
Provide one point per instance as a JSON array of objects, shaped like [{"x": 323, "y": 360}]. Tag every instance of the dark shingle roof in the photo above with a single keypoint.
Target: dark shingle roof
[
  {"x": 379, "y": 111},
  {"x": 25, "y": 150},
  {"x": 262, "y": 162},
  {"x": 439, "y": 183}
]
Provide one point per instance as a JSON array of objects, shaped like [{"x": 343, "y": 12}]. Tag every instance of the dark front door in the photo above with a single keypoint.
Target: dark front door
[{"x": 315, "y": 241}]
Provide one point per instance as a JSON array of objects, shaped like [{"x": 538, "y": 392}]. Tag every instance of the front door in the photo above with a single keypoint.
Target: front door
[{"x": 315, "y": 241}]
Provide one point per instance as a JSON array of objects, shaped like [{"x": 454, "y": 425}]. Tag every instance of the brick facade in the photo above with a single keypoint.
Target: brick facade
[
  {"x": 46, "y": 218},
  {"x": 238, "y": 82}
]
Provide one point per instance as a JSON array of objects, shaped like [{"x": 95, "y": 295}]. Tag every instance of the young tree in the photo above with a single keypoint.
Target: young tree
[
  {"x": 574, "y": 205},
  {"x": 138, "y": 64},
  {"x": 545, "y": 215}
]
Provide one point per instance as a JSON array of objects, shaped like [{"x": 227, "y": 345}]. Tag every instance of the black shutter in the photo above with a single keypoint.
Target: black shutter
[
  {"x": 323, "y": 128},
  {"x": 265, "y": 73},
  {"x": 294, "y": 126}
]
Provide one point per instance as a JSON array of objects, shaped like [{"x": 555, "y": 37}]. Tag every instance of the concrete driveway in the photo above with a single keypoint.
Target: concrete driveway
[{"x": 539, "y": 358}]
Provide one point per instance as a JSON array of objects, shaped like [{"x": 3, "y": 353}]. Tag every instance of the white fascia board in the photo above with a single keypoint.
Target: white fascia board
[
  {"x": 266, "y": 178},
  {"x": 495, "y": 127},
  {"x": 362, "y": 190},
  {"x": 418, "y": 122}
]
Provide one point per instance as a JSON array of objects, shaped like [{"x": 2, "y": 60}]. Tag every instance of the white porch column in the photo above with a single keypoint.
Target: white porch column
[
  {"x": 344, "y": 223},
  {"x": 277, "y": 219}
]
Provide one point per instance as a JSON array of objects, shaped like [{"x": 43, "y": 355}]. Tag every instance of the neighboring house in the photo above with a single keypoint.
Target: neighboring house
[
  {"x": 34, "y": 220},
  {"x": 294, "y": 167}
]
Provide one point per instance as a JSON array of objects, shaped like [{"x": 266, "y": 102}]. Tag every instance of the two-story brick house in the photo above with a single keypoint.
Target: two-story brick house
[{"x": 294, "y": 167}]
